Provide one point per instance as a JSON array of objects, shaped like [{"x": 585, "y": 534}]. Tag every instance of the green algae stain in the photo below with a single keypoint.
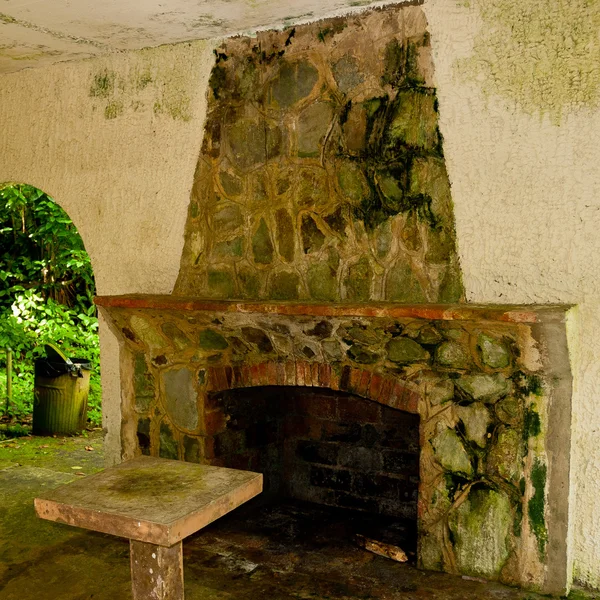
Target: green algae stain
[
  {"x": 103, "y": 84},
  {"x": 175, "y": 105},
  {"x": 113, "y": 109},
  {"x": 536, "y": 506},
  {"x": 532, "y": 426},
  {"x": 543, "y": 55}
]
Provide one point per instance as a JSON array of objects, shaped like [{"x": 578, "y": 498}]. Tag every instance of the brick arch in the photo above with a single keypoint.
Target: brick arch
[{"x": 383, "y": 388}]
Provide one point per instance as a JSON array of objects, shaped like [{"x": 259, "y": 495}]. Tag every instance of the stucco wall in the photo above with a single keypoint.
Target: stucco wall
[
  {"x": 115, "y": 141},
  {"x": 518, "y": 111},
  {"x": 518, "y": 84}
]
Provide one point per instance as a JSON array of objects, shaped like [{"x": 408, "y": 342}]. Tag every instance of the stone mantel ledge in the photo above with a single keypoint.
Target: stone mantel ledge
[{"x": 526, "y": 313}]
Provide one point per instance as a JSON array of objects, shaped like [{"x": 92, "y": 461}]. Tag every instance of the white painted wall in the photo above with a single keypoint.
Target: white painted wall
[
  {"x": 526, "y": 190},
  {"x": 527, "y": 202},
  {"x": 125, "y": 181}
]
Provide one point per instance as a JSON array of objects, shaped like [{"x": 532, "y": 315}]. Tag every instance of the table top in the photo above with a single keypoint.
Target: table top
[{"x": 150, "y": 499}]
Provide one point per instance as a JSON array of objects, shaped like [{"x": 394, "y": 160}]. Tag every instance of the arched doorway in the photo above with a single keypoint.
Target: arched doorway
[{"x": 46, "y": 296}]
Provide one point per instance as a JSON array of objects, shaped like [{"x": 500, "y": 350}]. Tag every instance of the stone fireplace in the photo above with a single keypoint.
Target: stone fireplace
[
  {"x": 486, "y": 388},
  {"x": 317, "y": 331}
]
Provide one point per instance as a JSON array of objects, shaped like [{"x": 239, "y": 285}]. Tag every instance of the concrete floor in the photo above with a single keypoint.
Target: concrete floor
[{"x": 285, "y": 551}]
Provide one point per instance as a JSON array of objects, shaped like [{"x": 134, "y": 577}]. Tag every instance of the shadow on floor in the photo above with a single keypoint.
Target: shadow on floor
[{"x": 287, "y": 551}]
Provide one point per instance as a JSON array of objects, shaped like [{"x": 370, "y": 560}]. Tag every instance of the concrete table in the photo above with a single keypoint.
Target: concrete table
[{"x": 155, "y": 503}]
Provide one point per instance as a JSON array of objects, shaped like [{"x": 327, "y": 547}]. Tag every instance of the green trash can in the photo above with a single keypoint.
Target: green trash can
[{"x": 61, "y": 388}]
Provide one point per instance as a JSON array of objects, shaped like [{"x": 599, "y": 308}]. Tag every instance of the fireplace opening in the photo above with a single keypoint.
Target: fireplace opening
[{"x": 331, "y": 455}]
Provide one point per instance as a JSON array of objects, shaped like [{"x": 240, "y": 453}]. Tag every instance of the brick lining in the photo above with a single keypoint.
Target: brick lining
[{"x": 384, "y": 389}]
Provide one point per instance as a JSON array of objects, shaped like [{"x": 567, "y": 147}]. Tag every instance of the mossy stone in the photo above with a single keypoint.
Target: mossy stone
[
  {"x": 476, "y": 419},
  {"x": 441, "y": 243},
  {"x": 285, "y": 235},
  {"x": 346, "y": 74},
  {"x": 451, "y": 289},
  {"x": 143, "y": 435},
  {"x": 229, "y": 248},
  {"x": 484, "y": 388},
  {"x": 249, "y": 282},
  {"x": 322, "y": 282},
  {"x": 321, "y": 330},
  {"x": 247, "y": 143},
  {"x": 415, "y": 121},
  {"x": 312, "y": 188},
  {"x": 168, "y": 444},
  {"x": 306, "y": 351},
  {"x": 481, "y": 529},
  {"x": 363, "y": 335},
  {"x": 403, "y": 285},
  {"x": 262, "y": 247},
  {"x": 145, "y": 331},
  {"x": 391, "y": 189},
  {"x": 232, "y": 184},
  {"x": 179, "y": 339},
  {"x": 336, "y": 221},
  {"x": 451, "y": 453},
  {"x": 358, "y": 280},
  {"x": 332, "y": 350},
  {"x": 313, "y": 124},
  {"x": 258, "y": 337},
  {"x": 312, "y": 237},
  {"x": 284, "y": 286},
  {"x": 452, "y": 354},
  {"x": 211, "y": 340},
  {"x": 252, "y": 143},
  {"x": 411, "y": 233},
  {"x": 227, "y": 218},
  {"x": 403, "y": 350},
  {"x": 191, "y": 449},
  {"x": 294, "y": 82},
  {"x": 221, "y": 283},
  {"x": 429, "y": 335},
  {"x": 431, "y": 557},
  {"x": 333, "y": 258},
  {"x": 181, "y": 398},
  {"x": 440, "y": 392},
  {"x": 360, "y": 354},
  {"x": 494, "y": 353},
  {"x": 238, "y": 346},
  {"x": 509, "y": 411},
  {"x": 383, "y": 238},
  {"x": 143, "y": 383},
  {"x": 354, "y": 129},
  {"x": 428, "y": 176},
  {"x": 259, "y": 192},
  {"x": 505, "y": 456},
  {"x": 351, "y": 181}
]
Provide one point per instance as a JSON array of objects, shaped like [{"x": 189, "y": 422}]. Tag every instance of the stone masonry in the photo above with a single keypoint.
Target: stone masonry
[
  {"x": 483, "y": 389},
  {"x": 322, "y": 173}
]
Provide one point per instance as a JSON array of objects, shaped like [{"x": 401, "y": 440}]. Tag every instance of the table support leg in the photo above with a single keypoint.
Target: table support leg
[{"x": 156, "y": 571}]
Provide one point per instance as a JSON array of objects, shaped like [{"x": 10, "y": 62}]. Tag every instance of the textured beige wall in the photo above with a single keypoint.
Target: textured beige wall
[
  {"x": 115, "y": 141},
  {"x": 518, "y": 100},
  {"x": 518, "y": 84}
]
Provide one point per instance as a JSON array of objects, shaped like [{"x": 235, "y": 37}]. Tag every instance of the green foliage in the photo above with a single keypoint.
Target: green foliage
[
  {"x": 46, "y": 292},
  {"x": 41, "y": 250}
]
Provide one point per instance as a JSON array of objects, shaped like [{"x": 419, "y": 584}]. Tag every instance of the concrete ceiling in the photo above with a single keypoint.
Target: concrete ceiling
[{"x": 34, "y": 33}]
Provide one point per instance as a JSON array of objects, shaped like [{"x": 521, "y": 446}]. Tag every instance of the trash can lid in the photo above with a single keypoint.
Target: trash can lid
[{"x": 55, "y": 354}]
